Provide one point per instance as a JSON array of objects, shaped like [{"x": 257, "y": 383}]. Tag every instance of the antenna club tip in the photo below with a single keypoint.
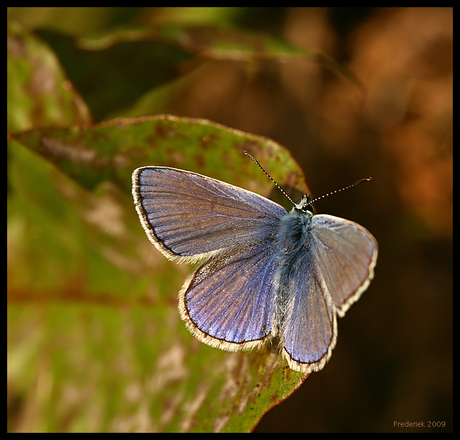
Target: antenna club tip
[{"x": 364, "y": 179}]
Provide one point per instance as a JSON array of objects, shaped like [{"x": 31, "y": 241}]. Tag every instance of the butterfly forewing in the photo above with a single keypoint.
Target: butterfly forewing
[
  {"x": 345, "y": 255},
  {"x": 189, "y": 215}
]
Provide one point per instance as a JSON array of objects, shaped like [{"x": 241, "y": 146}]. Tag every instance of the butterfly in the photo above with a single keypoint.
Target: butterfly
[{"x": 265, "y": 273}]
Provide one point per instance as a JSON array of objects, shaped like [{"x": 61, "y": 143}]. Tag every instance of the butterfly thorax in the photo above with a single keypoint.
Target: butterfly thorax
[{"x": 294, "y": 230}]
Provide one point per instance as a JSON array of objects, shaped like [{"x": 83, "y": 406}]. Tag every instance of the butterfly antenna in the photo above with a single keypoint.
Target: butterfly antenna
[
  {"x": 365, "y": 179},
  {"x": 268, "y": 175}
]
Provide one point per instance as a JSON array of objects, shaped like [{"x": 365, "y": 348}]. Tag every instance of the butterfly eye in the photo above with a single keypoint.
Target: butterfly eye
[{"x": 305, "y": 204}]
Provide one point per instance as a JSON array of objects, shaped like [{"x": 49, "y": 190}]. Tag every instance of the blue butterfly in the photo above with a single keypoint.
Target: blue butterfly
[{"x": 266, "y": 272}]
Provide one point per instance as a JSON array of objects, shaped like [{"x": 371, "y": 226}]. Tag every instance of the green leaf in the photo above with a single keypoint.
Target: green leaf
[
  {"x": 95, "y": 341},
  {"x": 38, "y": 93}
]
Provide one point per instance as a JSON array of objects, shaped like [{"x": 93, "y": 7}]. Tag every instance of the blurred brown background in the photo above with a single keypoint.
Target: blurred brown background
[{"x": 393, "y": 360}]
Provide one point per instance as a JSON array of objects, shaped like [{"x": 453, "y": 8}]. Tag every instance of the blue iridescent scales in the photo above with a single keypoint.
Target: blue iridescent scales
[{"x": 265, "y": 272}]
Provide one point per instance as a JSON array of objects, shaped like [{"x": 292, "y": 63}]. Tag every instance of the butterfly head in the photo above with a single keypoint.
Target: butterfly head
[{"x": 305, "y": 205}]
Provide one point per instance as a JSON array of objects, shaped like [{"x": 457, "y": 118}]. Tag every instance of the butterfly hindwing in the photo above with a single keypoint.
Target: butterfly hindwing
[
  {"x": 228, "y": 301},
  {"x": 310, "y": 331}
]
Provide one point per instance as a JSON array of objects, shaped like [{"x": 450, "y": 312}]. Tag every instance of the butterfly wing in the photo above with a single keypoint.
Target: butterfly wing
[
  {"x": 331, "y": 275},
  {"x": 188, "y": 216},
  {"x": 346, "y": 256},
  {"x": 227, "y": 303}
]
